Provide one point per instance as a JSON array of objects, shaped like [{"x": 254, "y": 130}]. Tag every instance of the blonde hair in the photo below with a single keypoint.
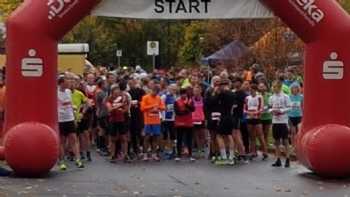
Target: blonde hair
[{"x": 215, "y": 78}]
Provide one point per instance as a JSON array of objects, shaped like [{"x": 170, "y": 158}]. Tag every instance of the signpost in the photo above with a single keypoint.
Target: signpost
[
  {"x": 153, "y": 50},
  {"x": 119, "y": 55}
]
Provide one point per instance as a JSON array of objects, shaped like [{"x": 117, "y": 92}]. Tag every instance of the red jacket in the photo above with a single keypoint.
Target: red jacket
[{"x": 183, "y": 113}]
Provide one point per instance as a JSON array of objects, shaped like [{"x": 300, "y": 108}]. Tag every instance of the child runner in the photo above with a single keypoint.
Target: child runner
[{"x": 280, "y": 103}]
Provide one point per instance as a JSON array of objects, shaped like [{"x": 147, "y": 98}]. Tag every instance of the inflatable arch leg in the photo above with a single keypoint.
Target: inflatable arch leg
[
  {"x": 31, "y": 140},
  {"x": 323, "y": 144}
]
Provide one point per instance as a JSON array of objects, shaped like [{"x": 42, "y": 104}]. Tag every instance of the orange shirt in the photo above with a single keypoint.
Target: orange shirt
[
  {"x": 248, "y": 75},
  {"x": 151, "y": 107}
]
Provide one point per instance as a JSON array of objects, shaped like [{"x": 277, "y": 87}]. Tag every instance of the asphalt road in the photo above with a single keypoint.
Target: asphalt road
[{"x": 171, "y": 179}]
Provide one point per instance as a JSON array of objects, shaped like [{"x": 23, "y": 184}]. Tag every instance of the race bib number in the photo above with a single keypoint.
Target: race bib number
[
  {"x": 295, "y": 105},
  {"x": 170, "y": 107},
  {"x": 215, "y": 116}
]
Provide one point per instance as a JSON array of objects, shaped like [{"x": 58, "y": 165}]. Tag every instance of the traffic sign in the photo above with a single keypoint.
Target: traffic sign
[
  {"x": 119, "y": 53},
  {"x": 153, "y": 48}
]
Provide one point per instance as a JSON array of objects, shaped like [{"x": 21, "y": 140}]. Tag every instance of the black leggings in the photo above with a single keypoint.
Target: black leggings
[
  {"x": 245, "y": 136},
  {"x": 136, "y": 139},
  {"x": 188, "y": 134},
  {"x": 168, "y": 130}
]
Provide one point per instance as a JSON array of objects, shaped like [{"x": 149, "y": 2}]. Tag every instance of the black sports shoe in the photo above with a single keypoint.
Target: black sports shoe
[
  {"x": 127, "y": 159},
  {"x": 278, "y": 163},
  {"x": 287, "y": 164},
  {"x": 265, "y": 156},
  {"x": 112, "y": 159},
  {"x": 88, "y": 156},
  {"x": 82, "y": 156}
]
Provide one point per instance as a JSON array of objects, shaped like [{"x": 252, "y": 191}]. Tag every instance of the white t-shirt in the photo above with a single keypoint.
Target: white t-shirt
[
  {"x": 254, "y": 104},
  {"x": 280, "y": 102},
  {"x": 65, "y": 107}
]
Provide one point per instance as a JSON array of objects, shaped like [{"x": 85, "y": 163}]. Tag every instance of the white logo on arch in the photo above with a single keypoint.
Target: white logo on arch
[
  {"x": 333, "y": 69},
  {"x": 32, "y": 66},
  {"x": 60, "y": 7}
]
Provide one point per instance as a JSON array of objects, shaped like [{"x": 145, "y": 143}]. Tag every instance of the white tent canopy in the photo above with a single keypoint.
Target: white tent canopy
[{"x": 182, "y": 9}]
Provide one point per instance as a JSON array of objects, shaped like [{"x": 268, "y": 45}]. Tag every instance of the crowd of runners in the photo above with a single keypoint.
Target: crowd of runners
[{"x": 225, "y": 116}]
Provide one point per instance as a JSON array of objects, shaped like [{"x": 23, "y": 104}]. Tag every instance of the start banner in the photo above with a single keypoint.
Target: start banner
[{"x": 182, "y": 9}]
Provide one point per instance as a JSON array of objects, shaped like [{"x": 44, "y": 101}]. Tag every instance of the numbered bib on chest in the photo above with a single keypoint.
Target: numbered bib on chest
[{"x": 215, "y": 116}]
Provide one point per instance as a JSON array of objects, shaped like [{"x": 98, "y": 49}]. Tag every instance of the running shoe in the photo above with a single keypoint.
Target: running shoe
[
  {"x": 278, "y": 163},
  {"x": 231, "y": 162},
  {"x": 127, "y": 159},
  {"x": 155, "y": 157},
  {"x": 177, "y": 159},
  {"x": 265, "y": 157},
  {"x": 62, "y": 166},
  {"x": 145, "y": 157},
  {"x": 112, "y": 159},
  {"x": 82, "y": 156},
  {"x": 88, "y": 156},
  {"x": 79, "y": 163},
  {"x": 287, "y": 164},
  {"x": 220, "y": 161},
  {"x": 192, "y": 159},
  {"x": 213, "y": 159}
]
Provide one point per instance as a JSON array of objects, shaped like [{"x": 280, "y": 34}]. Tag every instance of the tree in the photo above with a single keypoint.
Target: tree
[
  {"x": 192, "y": 49},
  {"x": 7, "y": 6}
]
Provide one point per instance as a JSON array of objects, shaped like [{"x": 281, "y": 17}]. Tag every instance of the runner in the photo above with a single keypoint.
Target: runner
[
  {"x": 67, "y": 128},
  {"x": 117, "y": 106},
  {"x": 243, "y": 93},
  {"x": 296, "y": 113},
  {"x": 123, "y": 85},
  {"x": 238, "y": 109},
  {"x": 183, "y": 122},
  {"x": 266, "y": 116},
  {"x": 254, "y": 105},
  {"x": 224, "y": 102},
  {"x": 168, "y": 130},
  {"x": 102, "y": 116},
  {"x": 280, "y": 104},
  {"x": 199, "y": 120},
  {"x": 136, "y": 119},
  {"x": 79, "y": 101},
  {"x": 211, "y": 115},
  {"x": 151, "y": 106},
  {"x": 90, "y": 115}
]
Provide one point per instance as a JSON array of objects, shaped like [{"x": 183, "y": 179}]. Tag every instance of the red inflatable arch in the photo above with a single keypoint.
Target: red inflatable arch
[{"x": 31, "y": 142}]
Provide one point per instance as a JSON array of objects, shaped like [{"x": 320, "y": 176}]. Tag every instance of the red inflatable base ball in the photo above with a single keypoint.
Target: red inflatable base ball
[
  {"x": 37, "y": 147},
  {"x": 325, "y": 150}
]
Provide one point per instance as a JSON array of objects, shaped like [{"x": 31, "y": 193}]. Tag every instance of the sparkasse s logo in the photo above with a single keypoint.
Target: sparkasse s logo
[{"x": 308, "y": 8}]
